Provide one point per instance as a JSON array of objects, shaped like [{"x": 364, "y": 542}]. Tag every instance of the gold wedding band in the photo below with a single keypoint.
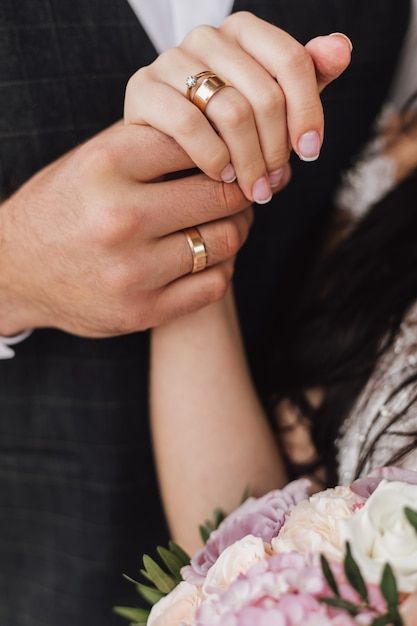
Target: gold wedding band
[
  {"x": 198, "y": 249},
  {"x": 205, "y": 92}
]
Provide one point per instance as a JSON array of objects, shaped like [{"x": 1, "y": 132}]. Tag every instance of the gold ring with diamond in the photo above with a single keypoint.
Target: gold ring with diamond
[
  {"x": 193, "y": 81},
  {"x": 208, "y": 88}
]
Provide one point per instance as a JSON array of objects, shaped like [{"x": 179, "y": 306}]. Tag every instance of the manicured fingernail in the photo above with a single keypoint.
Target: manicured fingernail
[
  {"x": 261, "y": 191},
  {"x": 228, "y": 175},
  {"x": 344, "y": 37},
  {"x": 309, "y": 146},
  {"x": 275, "y": 177}
]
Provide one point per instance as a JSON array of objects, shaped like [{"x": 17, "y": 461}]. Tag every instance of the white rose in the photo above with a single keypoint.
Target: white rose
[
  {"x": 177, "y": 608},
  {"x": 379, "y": 533},
  {"x": 314, "y": 524},
  {"x": 236, "y": 559}
]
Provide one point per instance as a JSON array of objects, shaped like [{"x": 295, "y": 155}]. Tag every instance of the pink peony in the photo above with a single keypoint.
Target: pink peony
[
  {"x": 282, "y": 591},
  {"x": 260, "y": 517},
  {"x": 366, "y": 486}
]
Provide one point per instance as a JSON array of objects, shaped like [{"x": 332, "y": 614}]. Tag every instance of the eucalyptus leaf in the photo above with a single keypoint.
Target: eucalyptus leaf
[
  {"x": 151, "y": 595},
  {"x": 411, "y": 516},
  {"x": 219, "y": 517},
  {"x": 383, "y": 620},
  {"x": 172, "y": 562},
  {"x": 389, "y": 589},
  {"x": 131, "y": 580},
  {"x": 179, "y": 552},
  {"x": 204, "y": 533},
  {"x": 338, "y": 603},
  {"x": 354, "y": 576},
  {"x": 161, "y": 579},
  {"x": 328, "y": 574},
  {"x": 146, "y": 575},
  {"x": 139, "y": 616}
]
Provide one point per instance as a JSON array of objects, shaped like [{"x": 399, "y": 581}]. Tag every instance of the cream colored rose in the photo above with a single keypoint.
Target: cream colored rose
[
  {"x": 314, "y": 524},
  {"x": 379, "y": 533},
  {"x": 236, "y": 559},
  {"x": 178, "y": 608}
]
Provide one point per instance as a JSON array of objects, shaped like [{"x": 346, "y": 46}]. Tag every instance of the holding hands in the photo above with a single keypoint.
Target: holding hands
[{"x": 93, "y": 243}]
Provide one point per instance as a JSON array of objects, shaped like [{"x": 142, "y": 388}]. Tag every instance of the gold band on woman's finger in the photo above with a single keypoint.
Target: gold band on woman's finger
[
  {"x": 205, "y": 92},
  {"x": 198, "y": 249}
]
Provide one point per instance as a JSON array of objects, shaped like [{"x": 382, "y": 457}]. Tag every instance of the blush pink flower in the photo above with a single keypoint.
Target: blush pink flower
[
  {"x": 282, "y": 591},
  {"x": 260, "y": 517}
]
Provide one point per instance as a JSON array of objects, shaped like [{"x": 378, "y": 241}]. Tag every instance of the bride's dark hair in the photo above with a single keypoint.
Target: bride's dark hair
[{"x": 347, "y": 315}]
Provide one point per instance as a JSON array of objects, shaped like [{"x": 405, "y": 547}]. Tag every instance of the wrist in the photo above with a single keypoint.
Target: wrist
[{"x": 16, "y": 310}]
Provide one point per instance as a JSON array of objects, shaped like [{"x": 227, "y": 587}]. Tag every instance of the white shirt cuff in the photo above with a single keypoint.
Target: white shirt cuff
[{"x": 6, "y": 352}]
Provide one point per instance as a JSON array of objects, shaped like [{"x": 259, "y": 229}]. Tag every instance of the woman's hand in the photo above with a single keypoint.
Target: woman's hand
[{"x": 272, "y": 103}]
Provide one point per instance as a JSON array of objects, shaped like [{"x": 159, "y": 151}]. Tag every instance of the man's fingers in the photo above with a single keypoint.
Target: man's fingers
[
  {"x": 141, "y": 152},
  {"x": 192, "y": 292},
  {"x": 222, "y": 238},
  {"x": 177, "y": 204},
  {"x": 331, "y": 56}
]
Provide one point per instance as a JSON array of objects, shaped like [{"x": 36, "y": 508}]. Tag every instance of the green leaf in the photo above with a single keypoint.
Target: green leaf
[
  {"x": 161, "y": 579},
  {"x": 328, "y": 574},
  {"x": 172, "y": 562},
  {"x": 146, "y": 575},
  {"x": 151, "y": 595},
  {"x": 389, "y": 589},
  {"x": 139, "y": 616},
  {"x": 383, "y": 620},
  {"x": 179, "y": 552},
  {"x": 131, "y": 580},
  {"x": 354, "y": 576},
  {"x": 204, "y": 533},
  {"x": 338, "y": 603},
  {"x": 411, "y": 516},
  {"x": 246, "y": 495},
  {"x": 219, "y": 517}
]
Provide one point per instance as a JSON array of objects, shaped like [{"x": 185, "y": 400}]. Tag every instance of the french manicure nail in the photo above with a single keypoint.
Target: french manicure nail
[
  {"x": 309, "y": 146},
  {"x": 228, "y": 175},
  {"x": 344, "y": 37},
  {"x": 275, "y": 177},
  {"x": 261, "y": 191}
]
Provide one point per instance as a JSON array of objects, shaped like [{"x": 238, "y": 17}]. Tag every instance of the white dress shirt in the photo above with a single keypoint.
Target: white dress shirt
[{"x": 167, "y": 22}]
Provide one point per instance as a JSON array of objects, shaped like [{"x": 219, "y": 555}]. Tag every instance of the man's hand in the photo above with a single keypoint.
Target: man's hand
[{"x": 93, "y": 245}]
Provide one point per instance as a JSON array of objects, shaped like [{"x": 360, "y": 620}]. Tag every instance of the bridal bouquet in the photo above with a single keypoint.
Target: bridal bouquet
[{"x": 343, "y": 557}]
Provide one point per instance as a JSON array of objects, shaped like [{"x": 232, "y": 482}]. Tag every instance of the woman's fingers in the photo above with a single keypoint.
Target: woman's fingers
[
  {"x": 292, "y": 66},
  {"x": 331, "y": 56},
  {"x": 233, "y": 117},
  {"x": 166, "y": 109},
  {"x": 258, "y": 87}
]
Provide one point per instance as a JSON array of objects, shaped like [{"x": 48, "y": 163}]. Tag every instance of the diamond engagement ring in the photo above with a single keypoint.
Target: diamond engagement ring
[{"x": 194, "y": 79}]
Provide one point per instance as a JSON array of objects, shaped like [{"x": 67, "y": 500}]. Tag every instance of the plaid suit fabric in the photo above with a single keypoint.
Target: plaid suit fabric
[{"x": 78, "y": 493}]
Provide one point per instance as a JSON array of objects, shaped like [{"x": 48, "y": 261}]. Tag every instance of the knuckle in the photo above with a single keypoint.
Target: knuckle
[
  {"x": 230, "y": 198},
  {"x": 218, "y": 285},
  {"x": 271, "y": 102},
  {"x": 299, "y": 59},
  {"x": 232, "y": 238},
  {"x": 97, "y": 156},
  {"x": 236, "y": 114},
  {"x": 119, "y": 278},
  {"x": 198, "y": 36},
  {"x": 111, "y": 225},
  {"x": 238, "y": 19},
  {"x": 187, "y": 122}
]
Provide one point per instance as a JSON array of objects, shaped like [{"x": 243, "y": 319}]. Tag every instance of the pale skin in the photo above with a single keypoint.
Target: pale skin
[
  {"x": 92, "y": 244},
  {"x": 210, "y": 432}
]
